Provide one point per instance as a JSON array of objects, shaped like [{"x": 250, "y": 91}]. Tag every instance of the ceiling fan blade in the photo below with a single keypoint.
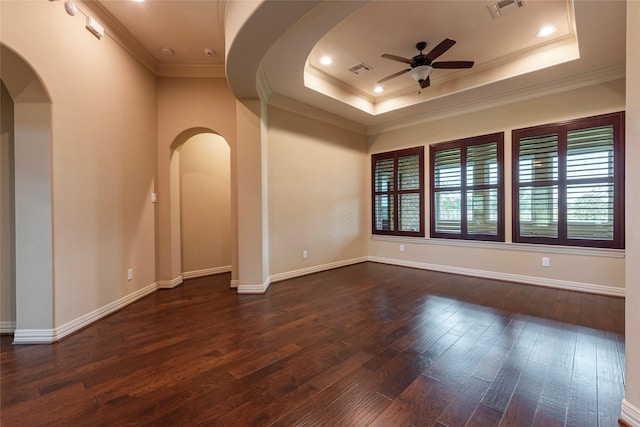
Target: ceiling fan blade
[
  {"x": 392, "y": 76},
  {"x": 444, "y": 46},
  {"x": 425, "y": 83},
  {"x": 452, "y": 64},
  {"x": 395, "y": 58}
]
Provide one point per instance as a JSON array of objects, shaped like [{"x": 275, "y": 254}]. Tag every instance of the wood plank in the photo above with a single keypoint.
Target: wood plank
[
  {"x": 464, "y": 404},
  {"x": 582, "y": 408},
  {"x": 610, "y": 392},
  {"x": 485, "y": 416},
  {"x": 435, "y": 402},
  {"x": 556, "y": 387},
  {"x": 549, "y": 414},
  {"x": 411, "y": 399}
]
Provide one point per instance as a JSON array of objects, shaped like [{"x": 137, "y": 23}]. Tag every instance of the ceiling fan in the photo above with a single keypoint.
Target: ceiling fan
[{"x": 422, "y": 65}]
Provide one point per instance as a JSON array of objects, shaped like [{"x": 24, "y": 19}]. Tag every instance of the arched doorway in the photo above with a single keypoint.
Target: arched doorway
[
  {"x": 29, "y": 136},
  {"x": 201, "y": 199}
]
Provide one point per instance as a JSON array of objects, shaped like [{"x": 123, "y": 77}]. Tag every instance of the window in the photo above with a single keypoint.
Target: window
[
  {"x": 568, "y": 183},
  {"x": 467, "y": 191},
  {"x": 398, "y": 192}
]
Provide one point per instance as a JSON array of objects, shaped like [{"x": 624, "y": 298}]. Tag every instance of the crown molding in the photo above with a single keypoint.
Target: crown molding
[
  {"x": 165, "y": 69},
  {"x": 297, "y": 107},
  {"x": 504, "y": 98},
  {"x": 120, "y": 34},
  {"x": 336, "y": 82}
]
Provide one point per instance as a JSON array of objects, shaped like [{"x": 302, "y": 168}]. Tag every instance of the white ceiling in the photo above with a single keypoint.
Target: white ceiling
[
  {"x": 588, "y": 46},
  {"x": 187, "y": 27}
]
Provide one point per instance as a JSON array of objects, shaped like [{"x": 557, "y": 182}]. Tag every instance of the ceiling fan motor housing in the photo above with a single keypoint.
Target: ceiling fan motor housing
[{"x": 420, "y": 59}]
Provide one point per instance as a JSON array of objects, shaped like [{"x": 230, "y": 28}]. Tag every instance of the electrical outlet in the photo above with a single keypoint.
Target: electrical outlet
[
  {"x": 545, "y": 261},
  {"x": 130, "y": 274},
  {"x": 305, "y": 255},
  {"x": 401, "y": 248}
]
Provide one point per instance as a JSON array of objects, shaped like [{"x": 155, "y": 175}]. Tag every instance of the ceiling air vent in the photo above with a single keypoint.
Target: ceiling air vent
[
  {"x": 359, "y": 68},
  {"x": 503, "y": 7}
]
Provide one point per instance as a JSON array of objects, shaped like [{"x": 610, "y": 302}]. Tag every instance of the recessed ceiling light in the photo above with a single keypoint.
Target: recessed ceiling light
[
  {"x": 138, "y": 1},
  {"x": 166, "y": 51},
  {"x": 378, "y": 89},
  {"x": 326, "y": 60},
  {"x": 546, "y": 31}
]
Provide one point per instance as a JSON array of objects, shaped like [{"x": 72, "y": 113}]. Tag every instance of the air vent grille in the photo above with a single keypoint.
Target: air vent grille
[
  {"x": 359, "y": 68},
  {"x": 503, "y": 7}
]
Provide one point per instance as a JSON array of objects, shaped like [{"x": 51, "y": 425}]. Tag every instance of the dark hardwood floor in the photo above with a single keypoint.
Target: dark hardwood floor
[{"x": 368, "y": 344}]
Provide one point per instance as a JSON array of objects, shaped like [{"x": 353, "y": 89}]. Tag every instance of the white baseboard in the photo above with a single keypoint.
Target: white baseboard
[
  {"x": 169, "y": 284},
  {"x": 48, "y": 336},
  {"x": 260, "y": 289},
  {"x": 234, "y": 283},
  {"x": 496, "y": 275},
  {"x": 630, "y": 413},
  {"x": 7, "y": 327},
  {"x": 206, "y": 272},
  {"x": 316, "y": 269},
  {"x": 254, "y": 289},
  {"x": 34, "y": 336}
]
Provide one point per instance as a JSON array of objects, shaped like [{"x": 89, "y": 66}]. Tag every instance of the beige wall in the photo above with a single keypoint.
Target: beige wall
[
  {"x": 504, "y": 262},
  {"x": 186, "y": 107},
  {"x": 7, "y": 221},
  {"x": 317, "y": 192},
  {"x": 205, "y": 203},
  {"x": 103, "y": 121},
  {"x": 632, "y": 393}
]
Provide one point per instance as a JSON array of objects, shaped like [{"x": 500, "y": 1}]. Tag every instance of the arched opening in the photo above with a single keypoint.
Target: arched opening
[
  {"x": 201, "y": 202},
  {"x": 28, "y": 280}
]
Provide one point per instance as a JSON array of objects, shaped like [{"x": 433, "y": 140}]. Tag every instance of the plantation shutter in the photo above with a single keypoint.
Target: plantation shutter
[
  {"x": 482, "y": 189},
  {"x": 538, "y": 186},
  {"x": 590, "y": 183},
  {"x": 384, "y": 195},
  {"x": 467, "y": 188},
  {"x": 409, "y": 195},
  {"x": 569, "y": 183},
  {"x": 398, "y": 192},
  {"x": 448, "y": 190}
]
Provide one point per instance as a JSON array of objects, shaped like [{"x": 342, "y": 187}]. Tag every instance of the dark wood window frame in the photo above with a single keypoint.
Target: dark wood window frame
[
  {"x": 561, "y": 180},
  {"x": 464, "y": 188},
  {"x": 396, "y": 193}
]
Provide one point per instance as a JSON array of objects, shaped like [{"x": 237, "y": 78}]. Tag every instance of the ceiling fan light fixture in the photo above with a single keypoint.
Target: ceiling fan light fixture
[{"x": 421, "y": 73}]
